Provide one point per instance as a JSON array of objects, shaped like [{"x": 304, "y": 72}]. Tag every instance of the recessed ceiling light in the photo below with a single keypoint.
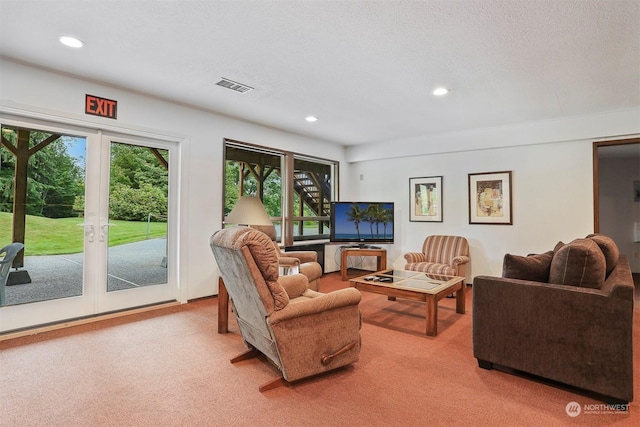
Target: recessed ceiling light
[
  {"x": 441, "y": 91},
  {"x": 71, "y": 41},
  {"x": 311, "y": 119}
]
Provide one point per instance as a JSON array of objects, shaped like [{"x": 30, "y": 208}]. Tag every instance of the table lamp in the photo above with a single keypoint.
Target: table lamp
[{"x": 248, "y": 211}]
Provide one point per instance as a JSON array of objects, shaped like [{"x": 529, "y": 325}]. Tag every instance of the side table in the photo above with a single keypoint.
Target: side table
[{"x": 380, "y": 254}]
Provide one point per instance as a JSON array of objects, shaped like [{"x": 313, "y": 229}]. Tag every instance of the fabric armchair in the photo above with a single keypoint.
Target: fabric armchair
[
  {"x": 8, "y": 253},
  {"x": 301, "y": 331},
  {"x": 448, "y": 255},
  {"x": 291, "y": 262}
]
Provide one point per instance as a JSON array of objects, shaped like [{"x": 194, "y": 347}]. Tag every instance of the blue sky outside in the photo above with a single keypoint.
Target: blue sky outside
[{"x": 77, "y": 148}]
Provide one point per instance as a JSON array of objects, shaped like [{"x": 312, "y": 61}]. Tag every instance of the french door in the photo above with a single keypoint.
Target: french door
[{"x": 108, "y": 247}]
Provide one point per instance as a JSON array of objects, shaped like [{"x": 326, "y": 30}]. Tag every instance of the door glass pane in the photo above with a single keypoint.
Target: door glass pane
[
  {"x": 42, "y": 180},
  {"x": 138, "y": 206}
]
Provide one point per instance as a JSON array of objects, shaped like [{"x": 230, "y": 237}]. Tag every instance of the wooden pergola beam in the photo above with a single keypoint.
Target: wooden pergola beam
[{"x": 22, "y": 152}]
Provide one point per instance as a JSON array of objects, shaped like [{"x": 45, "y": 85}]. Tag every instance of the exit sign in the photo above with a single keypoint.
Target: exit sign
[{"x": 102, "y": 107}]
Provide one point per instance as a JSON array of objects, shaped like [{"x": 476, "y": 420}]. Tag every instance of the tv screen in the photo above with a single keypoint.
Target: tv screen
[{"x": 362, "y": 222}]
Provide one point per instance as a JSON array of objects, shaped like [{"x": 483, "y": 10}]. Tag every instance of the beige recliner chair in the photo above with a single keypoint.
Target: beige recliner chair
[
  {"x": 291, "y": 262},
  {"x": 301, "y": 331}
]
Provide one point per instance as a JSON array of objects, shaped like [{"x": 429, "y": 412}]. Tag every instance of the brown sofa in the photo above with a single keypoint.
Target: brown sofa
[{"x": 576, "y": 330}]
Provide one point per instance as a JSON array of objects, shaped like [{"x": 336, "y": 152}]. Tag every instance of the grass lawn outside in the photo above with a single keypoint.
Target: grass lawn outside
[{"x": 49, "y": 236}]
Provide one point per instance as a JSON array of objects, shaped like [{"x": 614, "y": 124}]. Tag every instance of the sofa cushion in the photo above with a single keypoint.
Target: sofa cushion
[
  {"x": 608, "y": 248},
  {"x": 431, "y": 267},
  {"x": 534, "y": 267},
  {"x": 578, "y": 263}
]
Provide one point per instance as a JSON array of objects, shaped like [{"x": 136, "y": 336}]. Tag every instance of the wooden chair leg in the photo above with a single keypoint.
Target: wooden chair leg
[
  {"x": 278, "y": 382},
  {"x": 249, "y": 354}
]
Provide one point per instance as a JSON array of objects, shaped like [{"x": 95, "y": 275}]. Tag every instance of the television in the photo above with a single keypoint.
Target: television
[{"x": 361, "y": 223}]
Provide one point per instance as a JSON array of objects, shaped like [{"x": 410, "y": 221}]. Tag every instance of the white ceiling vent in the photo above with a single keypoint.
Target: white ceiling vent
[{"x": 230, "y": 84}]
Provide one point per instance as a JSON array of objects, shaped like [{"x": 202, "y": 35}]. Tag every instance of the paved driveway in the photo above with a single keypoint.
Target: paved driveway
[{"x": 60, "y": 276}]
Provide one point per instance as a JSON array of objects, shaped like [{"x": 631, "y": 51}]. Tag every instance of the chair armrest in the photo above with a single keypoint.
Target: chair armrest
[
  {"x": 460, "y": 259},
  {"x": 303, "y": 256},
  {"x": 325, "y": 302},
  {"x": 312, "y": 270},
  {"x": 285, "y": 261},
  {"x": 294, "y": 284},
  {"x": 412, "y": 257}
]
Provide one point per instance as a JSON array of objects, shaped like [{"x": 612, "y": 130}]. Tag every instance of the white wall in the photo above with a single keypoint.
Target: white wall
[
  {"x": 551, "y": 164},
  {"x": 38, "y": 93},
  {"x": 552, "y": 170}
]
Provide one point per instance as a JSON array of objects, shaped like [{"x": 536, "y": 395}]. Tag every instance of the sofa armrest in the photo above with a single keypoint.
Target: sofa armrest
[
  {"x": 323, "y": 303},
  {"x": 413, "y": 257},
  {"x": 619, "y": 283}
]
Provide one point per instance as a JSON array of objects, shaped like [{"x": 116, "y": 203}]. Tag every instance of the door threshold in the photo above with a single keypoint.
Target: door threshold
[{"x": 84, "y": 320}]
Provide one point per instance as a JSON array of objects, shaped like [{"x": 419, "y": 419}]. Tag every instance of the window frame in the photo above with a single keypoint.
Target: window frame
[{"x": 289, "y": 216}]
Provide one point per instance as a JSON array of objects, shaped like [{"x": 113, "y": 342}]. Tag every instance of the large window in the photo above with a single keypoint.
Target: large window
[{"x": 296, "y": 190}]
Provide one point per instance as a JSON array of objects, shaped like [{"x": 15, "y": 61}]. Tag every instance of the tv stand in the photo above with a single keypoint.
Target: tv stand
[
  {"x": 365, "y": 250},
  {"x": 361, "y": 246},
  {"x": 369, "y": 247}
]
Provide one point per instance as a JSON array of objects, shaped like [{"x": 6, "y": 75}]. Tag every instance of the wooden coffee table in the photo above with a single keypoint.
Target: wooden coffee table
[{"x": 415, "y": 285}]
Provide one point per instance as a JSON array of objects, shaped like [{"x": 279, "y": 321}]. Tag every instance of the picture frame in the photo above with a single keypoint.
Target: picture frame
[
  {"x": 425, "y": 199},
  {"x": 490, "y": 199}
]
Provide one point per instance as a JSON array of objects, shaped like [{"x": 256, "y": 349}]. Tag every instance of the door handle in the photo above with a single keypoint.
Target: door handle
[
  {"x": 103, "y": 230},
  {"x": 89, "y": 231}
]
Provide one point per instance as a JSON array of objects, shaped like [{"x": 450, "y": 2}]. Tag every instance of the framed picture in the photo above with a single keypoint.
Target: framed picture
[
  {"x": 425, "y": 195},
  {"x": 490, "y": 198}
]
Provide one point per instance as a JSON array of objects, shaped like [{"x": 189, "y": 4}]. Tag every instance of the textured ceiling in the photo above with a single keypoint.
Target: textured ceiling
[{"x": 365, "y": 68}]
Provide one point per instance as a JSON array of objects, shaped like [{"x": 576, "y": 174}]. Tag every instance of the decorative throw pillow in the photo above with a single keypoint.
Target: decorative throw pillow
[
  {"x": 534, "y": 267},
  {"x": 578, "y": 263},
  {"x": 608, "y": 248},
  {"x": 558, "y": 246}
]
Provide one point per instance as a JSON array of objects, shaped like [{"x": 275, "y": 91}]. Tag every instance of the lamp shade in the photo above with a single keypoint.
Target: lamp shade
[{"x": 248, "y": 211}]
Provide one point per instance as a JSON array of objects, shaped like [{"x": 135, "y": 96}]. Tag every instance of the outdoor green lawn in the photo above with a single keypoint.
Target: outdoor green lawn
[{"x": 47, "y": 236}]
